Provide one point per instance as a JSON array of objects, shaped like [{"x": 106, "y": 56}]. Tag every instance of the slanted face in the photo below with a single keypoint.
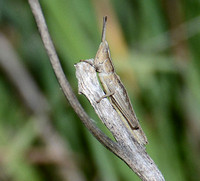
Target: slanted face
[{"x": 102, "y": 61}]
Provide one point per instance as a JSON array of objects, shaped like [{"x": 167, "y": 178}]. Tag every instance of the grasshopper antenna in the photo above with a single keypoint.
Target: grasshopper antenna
[{"x": 103, "y": 37}]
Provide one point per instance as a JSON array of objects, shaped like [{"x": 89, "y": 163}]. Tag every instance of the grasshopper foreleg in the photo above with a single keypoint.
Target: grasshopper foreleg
[
  {"x": 105, "y": 96},
  {"x": 89, "y": 61}
]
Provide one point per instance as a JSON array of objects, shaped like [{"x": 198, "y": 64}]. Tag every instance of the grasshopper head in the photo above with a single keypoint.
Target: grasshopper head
[{"x": 102, "y": 61}]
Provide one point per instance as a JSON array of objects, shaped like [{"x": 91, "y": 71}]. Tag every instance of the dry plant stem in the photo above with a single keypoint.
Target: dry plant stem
[
  {"x": 133, "y": 153},
  {"x": 56, "y": 148},
  {"x": 37, "y": 12},
  {"x": 129, "y": 151}
]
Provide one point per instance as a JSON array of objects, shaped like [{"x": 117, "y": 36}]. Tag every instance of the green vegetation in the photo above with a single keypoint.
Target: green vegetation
[{"x": 155, "y": 49}]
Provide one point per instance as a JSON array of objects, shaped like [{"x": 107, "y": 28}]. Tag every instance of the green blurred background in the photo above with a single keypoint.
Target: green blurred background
[{"x": 155, "y": 49}]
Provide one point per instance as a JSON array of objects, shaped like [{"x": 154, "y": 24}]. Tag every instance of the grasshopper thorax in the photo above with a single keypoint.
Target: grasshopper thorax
[{"x": 102, "y": 61}]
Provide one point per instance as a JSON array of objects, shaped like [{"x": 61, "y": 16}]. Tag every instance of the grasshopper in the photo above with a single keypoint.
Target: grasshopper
[{"x": 115, "y": 90}]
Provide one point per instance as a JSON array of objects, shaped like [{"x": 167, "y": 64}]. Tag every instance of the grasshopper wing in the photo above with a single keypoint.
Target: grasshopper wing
[{"x": 122, "y": 104}]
